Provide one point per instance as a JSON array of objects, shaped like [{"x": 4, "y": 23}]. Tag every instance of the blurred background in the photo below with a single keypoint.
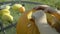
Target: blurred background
[{"x": 28, "y": 6}]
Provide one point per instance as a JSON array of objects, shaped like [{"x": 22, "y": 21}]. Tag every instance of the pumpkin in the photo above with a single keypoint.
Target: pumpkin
[
  {"x": 7, "y": 17},
  {"x": 22, "y": 9},
  {"x": 16, "y": 6},
  {"x": 26, "y": 25},
  {"x": 5, "y": 11}
]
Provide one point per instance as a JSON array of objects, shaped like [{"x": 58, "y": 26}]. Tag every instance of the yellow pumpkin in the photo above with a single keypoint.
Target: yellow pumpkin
[
  {"x": 7, "y": 7},
  {"x": 5, "y": 18},
  {"x": 16, "y": 6},
  {"x": 54, "y": 23},
  {"x": 50, "y": 19},
  {"x": 5, "y": 11}
]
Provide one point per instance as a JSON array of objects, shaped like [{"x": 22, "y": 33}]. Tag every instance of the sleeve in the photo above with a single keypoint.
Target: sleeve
[{"x": 41, "y": 23}]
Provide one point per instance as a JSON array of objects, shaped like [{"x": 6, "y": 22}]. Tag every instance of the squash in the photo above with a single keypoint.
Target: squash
[
  {"x": 22, "y": 9},
  {"x": 50, "y": 19},
  {"x": 54, "y": 21},
  {"x": 16, "y": 6},
  {"x": 26, "y": 25},
  {"x": 5, "y": 11}
]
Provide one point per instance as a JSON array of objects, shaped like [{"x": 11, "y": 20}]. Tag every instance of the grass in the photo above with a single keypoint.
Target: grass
[{"x": 16, "y": 14}]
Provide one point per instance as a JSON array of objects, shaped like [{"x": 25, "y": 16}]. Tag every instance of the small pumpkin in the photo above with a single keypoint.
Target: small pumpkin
[{"x": 22, "y": 9}]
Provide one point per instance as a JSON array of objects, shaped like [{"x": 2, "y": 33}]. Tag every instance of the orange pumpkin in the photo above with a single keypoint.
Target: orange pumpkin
[
  {"x": 22, "y": 9},
  {"x": 26, "y": 25}
]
